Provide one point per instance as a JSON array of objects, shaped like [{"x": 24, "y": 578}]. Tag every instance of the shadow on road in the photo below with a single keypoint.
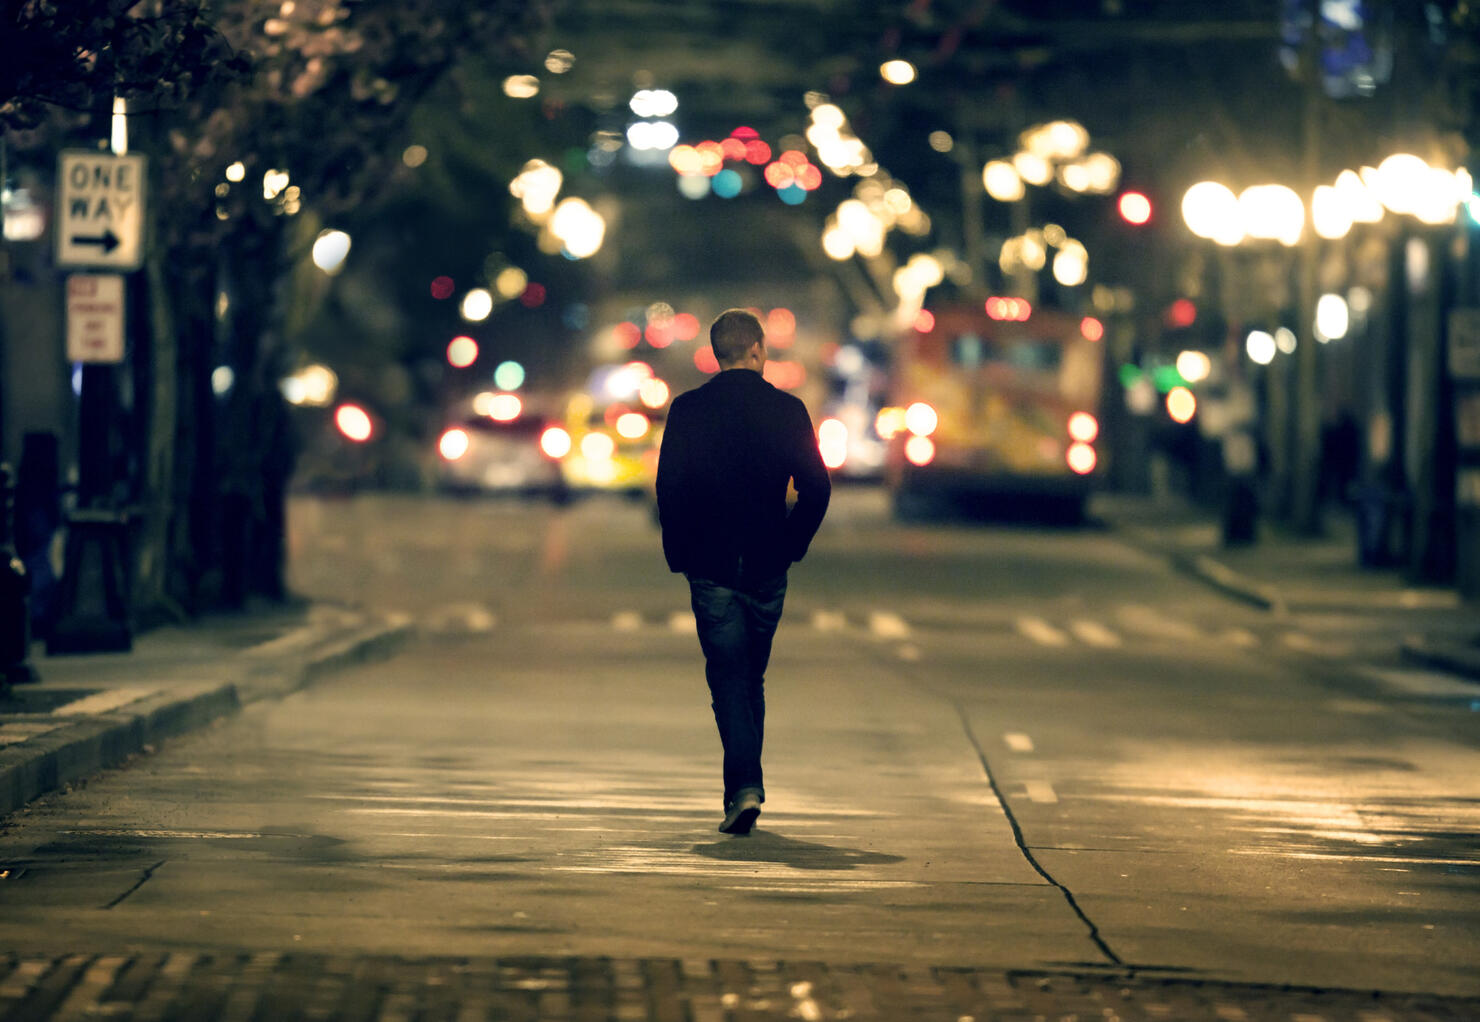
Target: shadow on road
[{"x": 765, "y": 846}]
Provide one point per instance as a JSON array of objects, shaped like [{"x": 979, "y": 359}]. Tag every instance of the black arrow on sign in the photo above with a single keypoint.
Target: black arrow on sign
[{"x": 108, "y": 241}]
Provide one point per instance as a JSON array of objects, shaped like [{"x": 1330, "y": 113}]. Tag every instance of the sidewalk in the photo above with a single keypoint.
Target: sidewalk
[
  {"x": 1286, "y": 573},
  {"x": 91, "y": 712}
]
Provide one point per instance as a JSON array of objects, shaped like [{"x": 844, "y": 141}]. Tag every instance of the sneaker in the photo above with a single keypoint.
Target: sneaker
[{"x": 740, "y": 817}]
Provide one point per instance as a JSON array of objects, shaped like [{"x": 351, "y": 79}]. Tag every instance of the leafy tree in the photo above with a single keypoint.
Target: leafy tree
[
  {"x": 318, "y": 90},
  {"x": 69, "y": 55}
]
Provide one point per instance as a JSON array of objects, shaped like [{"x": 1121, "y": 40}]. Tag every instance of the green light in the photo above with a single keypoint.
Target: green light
[
  {"x": 508, "y": 376},
  {"x": 1167, "y": 377},
  {"x": 1130, "y": 375}
]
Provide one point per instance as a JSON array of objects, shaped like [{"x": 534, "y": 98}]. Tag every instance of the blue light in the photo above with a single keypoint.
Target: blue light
[
  {"x": 792, "y": 195},
  {"x": 508, "y": 376},
  {"x": 727, "y": 184},
  {"x": 1472, "y": 206}
]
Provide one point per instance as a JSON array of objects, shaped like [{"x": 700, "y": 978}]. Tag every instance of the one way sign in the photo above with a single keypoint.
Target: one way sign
[{"x": 100, "y": 209}]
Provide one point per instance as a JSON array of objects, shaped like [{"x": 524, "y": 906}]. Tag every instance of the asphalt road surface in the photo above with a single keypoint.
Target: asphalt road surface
[{"x": 989, "y": 746}]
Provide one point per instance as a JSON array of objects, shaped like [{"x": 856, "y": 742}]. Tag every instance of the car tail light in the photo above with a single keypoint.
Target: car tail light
[
  {"x": 598, "y": 446},
  {"x": 454, "y": 444},
  {"x": 832, "y": 441},
  {"x": 1081, "y": 458},
  {"x": 919, "y": 450},
  {"x": 1084, "y": 427},
  {"x": 889, "y": 423},
  {"x": 505, "y": 407},
  {"x": 632, "y": 425},
  {"x": 555, "y": 442},
  {"x": 920, "y": 419}
]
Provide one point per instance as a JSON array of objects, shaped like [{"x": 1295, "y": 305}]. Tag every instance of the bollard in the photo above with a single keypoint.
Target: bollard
[{"x": 15, "y": 594}]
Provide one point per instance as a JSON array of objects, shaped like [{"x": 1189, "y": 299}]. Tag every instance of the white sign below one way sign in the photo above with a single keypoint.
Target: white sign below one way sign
[
  {"x": 95, "y": 317},
  {"x": 100, "y": 210}
]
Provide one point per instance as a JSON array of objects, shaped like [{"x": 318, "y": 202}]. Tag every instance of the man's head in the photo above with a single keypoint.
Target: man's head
[{"x": 738, "y": 340}]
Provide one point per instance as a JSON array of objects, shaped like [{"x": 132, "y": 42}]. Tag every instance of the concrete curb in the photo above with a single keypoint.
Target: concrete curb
[
  {"x": 50, "y": 761},
  {"x": 1229, "y": 582},
  {"x": 332, "y": 650},
  {"x": 53, "y": 760}
]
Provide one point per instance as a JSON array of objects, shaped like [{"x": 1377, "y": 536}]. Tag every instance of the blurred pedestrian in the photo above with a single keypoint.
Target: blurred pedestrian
[
  {"x": 730, "y": 449},
  {"x": 38, "y": 517}
]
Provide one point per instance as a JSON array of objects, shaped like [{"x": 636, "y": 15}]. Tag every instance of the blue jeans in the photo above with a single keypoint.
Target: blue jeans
[{"x": 735, "y": 631}]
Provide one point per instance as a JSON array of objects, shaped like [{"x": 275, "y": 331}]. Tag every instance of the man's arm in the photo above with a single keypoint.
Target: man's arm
[
  {"x": 813, "y": 485},
  {"x": 673, "y": 457}
]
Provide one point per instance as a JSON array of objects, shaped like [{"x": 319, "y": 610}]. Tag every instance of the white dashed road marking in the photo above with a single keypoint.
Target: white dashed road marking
[
  {"x": 1040, "y": 791},
  {"x": 1153, "y": 622},
  {"x": 682, "y": 621},
  {"x": 829, "y": 620},
  {"x": 1018, "y": 742},
  {"x": 886, "y": 625},
  {"x": 1041, "y": 632},
  {"x": 1239, "y": 637},
  {"x": 1092, "y": 633},
  {"x": 626, "y": 620}
]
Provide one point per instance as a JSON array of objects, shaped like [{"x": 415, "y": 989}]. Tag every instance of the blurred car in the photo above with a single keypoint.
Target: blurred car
[
  {"x": 613, "y": 447},
  {"x": 499, "y": 446}
]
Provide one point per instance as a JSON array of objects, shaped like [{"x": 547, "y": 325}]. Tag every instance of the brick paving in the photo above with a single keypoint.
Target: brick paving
[{"x": 262, "y": 987}]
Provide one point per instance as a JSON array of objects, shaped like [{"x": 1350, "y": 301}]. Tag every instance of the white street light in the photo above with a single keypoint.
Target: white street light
[
  {"x": 1330, "y": 213},
  {"x": 330, "y": 249},
  {"x": 1273, "y": 213},
  {"x": 1002, "y": 181},
  {"x": 1333, "y": 318},
  {"x": 1398, "y": 182},
  {"x": 1071, "y": 264},
  {"x": 897, "y": 72},
  {"x": 477, "y": 304},
  {"x": 536, "y": 186},
  {"x": 579, "y": 227},
  {"x": 1034, "y": 168},
  {"x": 1261, "y": 347},
  {"x": 1211, "y": 210},
  {"x": 1365, "y": 208}
]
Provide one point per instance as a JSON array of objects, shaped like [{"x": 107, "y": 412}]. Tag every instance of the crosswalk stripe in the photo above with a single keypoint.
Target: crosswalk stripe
[
  {"x": 1150, "y": 621},
  {"x": 829, "y": 620},
  {"x": 1041, "y": 632},
  {"x": 626, "y": 620},
  {"x": 886, "y": 625},
  {"x": 1041, "y": 791},
  {"x": 1239, "y": 637},
  {"x": 1092, "y": 633},
  {"x": 1018, "y": 742}
]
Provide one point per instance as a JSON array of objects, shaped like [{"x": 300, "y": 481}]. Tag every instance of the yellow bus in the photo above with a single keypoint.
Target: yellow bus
[{"x": 996, "y": 401}]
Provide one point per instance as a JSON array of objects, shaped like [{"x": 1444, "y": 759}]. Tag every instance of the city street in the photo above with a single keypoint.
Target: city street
[{"x": 989, "y": 746}]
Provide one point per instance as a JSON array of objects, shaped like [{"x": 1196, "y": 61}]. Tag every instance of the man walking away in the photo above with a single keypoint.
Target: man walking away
[{"x": 729, "y": 450}]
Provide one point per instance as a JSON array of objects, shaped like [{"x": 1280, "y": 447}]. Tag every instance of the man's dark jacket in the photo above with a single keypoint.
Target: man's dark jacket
[{"x": 729, "y": 449}]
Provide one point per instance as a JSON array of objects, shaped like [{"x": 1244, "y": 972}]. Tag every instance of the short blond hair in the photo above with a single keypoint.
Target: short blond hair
[{"x": 733, "y": 334}]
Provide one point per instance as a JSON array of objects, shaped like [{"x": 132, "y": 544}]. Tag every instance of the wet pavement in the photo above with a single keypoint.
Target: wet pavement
[{"x": 89, "y": 713}]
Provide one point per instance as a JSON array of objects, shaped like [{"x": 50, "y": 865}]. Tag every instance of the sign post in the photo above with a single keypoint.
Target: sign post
[
  {"x": 100, "y": 209},
  {"x": 95, "y": 318},
  {"x": 100, "y": 217}
]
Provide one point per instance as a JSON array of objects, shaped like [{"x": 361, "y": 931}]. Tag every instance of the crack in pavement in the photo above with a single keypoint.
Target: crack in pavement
[
  {"x": 1017, "y": 836},
  {"x": 149, "y": 872}
]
